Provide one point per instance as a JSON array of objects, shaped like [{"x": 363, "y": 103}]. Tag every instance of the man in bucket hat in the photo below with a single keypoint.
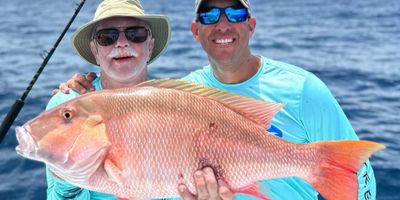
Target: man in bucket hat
[
  {"x": 121, "y": 39},
  {"x": 224, "y": 28}
]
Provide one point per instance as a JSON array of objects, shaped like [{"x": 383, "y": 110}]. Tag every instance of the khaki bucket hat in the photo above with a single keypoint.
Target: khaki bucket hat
[
  {"x": 197, "y": 4},
  {"x": 159, "y": 25}
]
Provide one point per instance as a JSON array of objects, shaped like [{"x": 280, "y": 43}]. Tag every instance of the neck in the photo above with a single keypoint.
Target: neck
[
  {"x": 109, "y": 83},
  {"x": 236, "y": 71}
]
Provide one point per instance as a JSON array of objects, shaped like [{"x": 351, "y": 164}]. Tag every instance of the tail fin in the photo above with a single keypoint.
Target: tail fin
[{"x": 335, "y": 175}]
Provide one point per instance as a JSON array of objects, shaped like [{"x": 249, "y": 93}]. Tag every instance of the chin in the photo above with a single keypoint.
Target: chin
[
  {"x": 224, "y": 58},
  {"x": 126, "y": 76}
]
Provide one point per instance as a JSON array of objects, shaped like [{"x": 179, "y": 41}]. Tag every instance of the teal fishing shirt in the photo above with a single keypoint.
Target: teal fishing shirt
[{"x": 311, "y": 113}]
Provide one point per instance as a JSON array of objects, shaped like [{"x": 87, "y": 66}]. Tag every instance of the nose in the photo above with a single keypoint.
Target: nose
[
  {"x": 223, "y": 25},
  {"x": 122, "y": 40}
]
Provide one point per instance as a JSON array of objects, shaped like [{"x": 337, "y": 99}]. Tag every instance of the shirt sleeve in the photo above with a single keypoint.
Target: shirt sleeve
[
  {"x": 324, "y": 119},
  {"x": 59, "y": 189}
]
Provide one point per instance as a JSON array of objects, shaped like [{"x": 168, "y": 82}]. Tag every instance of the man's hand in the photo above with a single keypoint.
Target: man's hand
[
  {"x": 79, "y": 82},
  {"x": 207, "y": 186}
]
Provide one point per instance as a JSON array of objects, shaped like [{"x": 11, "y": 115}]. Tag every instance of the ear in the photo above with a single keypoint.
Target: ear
[
  {"x": 94, "y": 50},
  {"x": 151, "y": 47},
  {"x": 252, "y": 25},
  {"x": 195, "y": 30}
]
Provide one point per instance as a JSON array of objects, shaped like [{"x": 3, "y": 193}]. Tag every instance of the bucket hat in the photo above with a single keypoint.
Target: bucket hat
[{"x": 159, "y": 25}]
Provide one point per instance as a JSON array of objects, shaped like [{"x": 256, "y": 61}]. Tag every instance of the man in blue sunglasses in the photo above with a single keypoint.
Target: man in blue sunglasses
[{"x": 224, "y": 28}]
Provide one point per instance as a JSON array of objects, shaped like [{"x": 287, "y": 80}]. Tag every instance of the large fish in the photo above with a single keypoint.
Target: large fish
[{"x": 136, "y": 142}]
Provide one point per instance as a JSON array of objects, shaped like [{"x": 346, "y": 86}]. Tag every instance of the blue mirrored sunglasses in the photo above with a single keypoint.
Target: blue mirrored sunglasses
[
  {"x": 109, "y": 36},
  {"x": 212, "y": 15}
]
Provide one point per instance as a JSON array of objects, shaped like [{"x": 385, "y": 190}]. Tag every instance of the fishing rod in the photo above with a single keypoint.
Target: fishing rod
[{"x": 19, "y": 103}]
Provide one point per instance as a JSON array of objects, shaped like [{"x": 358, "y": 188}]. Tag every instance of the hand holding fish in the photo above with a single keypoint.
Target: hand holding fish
[
  {"x": 207, "y": 186},
  {"x": 81, "y": 83}
]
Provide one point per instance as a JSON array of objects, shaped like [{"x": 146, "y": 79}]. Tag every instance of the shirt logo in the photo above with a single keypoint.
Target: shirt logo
[{"x": 275, "y": 131}]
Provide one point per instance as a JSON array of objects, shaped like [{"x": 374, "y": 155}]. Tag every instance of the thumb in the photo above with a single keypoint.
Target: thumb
[
  {"x": 91, "y": 76},
  {"x": 224, "y": 191},
  {"x": 184, "y": 191}
]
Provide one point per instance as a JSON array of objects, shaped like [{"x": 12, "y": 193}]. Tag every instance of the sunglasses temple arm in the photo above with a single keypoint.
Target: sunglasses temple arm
[{"x": 19, "y": 103}]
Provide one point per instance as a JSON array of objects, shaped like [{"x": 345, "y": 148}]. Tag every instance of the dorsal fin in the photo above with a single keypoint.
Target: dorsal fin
[{"x": 258, "y": 111}]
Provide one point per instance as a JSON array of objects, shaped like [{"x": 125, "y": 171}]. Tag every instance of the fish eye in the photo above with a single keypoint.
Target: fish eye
[{"x": 67, "y": 114}]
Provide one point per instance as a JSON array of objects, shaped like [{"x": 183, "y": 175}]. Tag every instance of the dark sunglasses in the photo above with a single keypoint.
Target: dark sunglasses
[
  {"x": 108, "y": 36},
  {"x": 233, "y": 14}
]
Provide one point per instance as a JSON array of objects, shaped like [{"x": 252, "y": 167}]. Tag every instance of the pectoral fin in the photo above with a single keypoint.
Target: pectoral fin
[
  {"x": 113, "y": 172},
  {"x": 92, "y": 140},
  {"x": 89, "y": 150}
]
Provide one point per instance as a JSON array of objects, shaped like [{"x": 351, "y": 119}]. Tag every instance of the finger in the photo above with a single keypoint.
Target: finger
[
  {"x": 53, "y": 92},
  {"x": 211, "y": 183},
  {"x": 75, "y": 85},
  {"x": 81, "y": 80},
  {"x": 64, "y": 88},
  {"x": 91, "y": 76},
  {"x": 224, "y": 191},
  {"x": 202, "y": 192},
  {"x": 184, "y": 192}
]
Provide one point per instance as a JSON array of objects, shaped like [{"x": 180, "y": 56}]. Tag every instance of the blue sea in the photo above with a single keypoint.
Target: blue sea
[{"x": 353, "y": 46}]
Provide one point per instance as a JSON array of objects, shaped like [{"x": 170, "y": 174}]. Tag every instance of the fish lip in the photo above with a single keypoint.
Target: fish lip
[{"x": 27, "y": 146}]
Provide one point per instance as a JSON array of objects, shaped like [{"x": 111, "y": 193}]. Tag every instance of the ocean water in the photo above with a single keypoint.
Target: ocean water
[{"x": 351, "y": 45}]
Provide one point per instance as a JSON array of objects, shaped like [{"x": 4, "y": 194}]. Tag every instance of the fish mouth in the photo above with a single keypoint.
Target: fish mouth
[{"x": 26, "y": 144}]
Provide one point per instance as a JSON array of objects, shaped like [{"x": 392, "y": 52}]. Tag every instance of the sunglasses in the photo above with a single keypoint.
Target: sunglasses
[
  {"x": 109, "y": 36},
  {"x": 233, "y": 14}
]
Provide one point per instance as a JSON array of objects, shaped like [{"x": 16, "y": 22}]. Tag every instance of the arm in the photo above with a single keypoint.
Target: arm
[{"x": 324, "y": 119}]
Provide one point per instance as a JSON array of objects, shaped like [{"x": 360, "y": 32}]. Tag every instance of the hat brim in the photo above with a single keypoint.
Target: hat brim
[{"x": 160, "y": 29}]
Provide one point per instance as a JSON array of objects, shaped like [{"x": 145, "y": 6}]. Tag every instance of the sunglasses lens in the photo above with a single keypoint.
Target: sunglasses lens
[
  {"x": 107, "y": 37},
  {"x": 136, "y": 34},
  {"x": 210, "y": 17},
  {"x": 235, "y": 15}
]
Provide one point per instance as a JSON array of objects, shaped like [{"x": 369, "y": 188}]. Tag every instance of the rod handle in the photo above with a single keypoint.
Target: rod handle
[{"x": 10, "y": 118}]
